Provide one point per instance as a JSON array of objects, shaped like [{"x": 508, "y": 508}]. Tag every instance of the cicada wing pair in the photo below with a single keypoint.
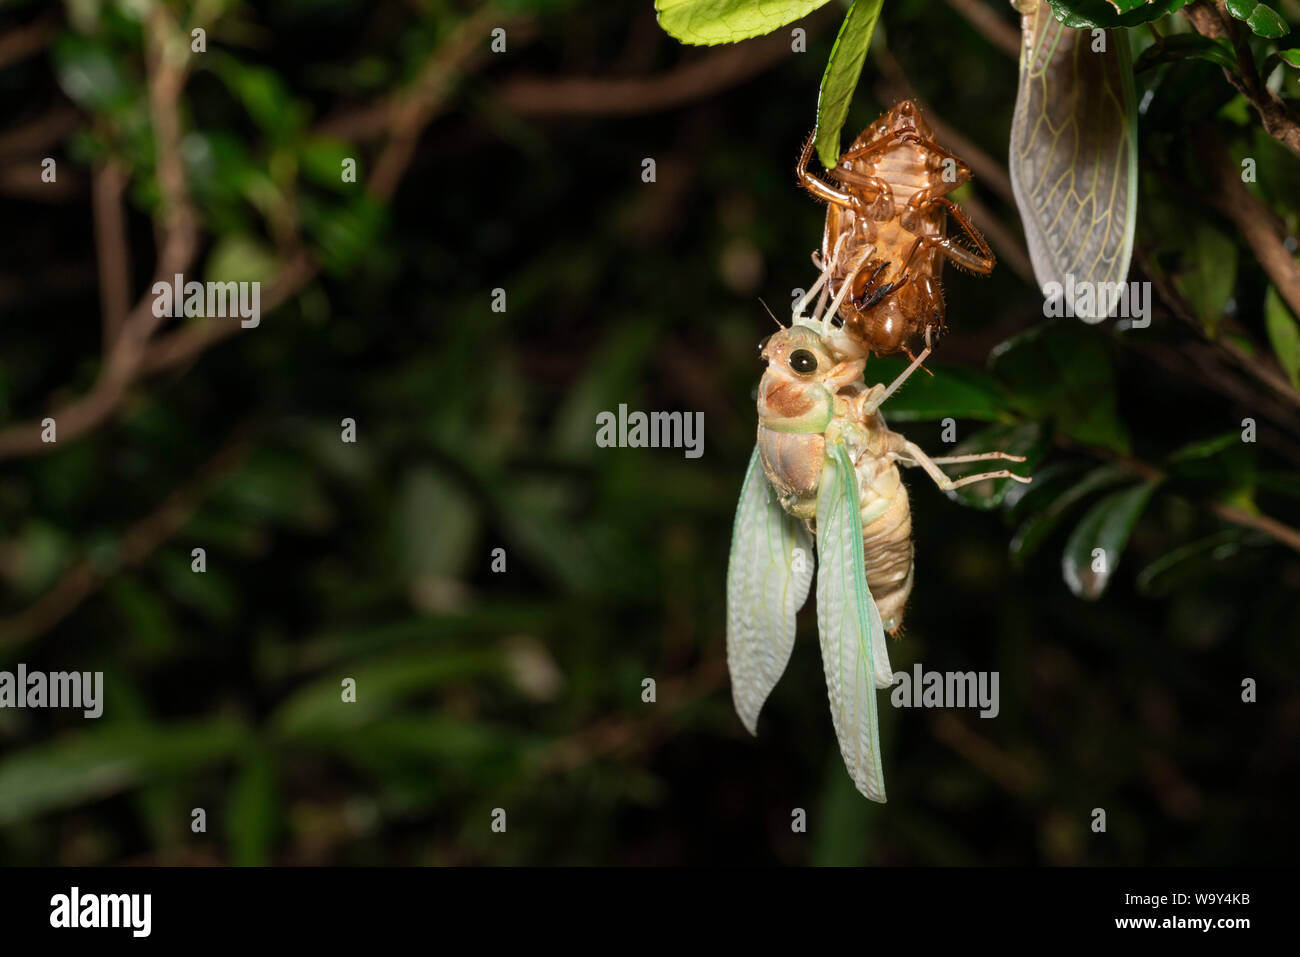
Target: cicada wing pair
[{"x": 767, "y": 584}]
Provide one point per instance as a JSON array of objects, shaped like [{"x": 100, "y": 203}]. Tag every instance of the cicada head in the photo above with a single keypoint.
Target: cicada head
[{"x": 797, "y": 393}]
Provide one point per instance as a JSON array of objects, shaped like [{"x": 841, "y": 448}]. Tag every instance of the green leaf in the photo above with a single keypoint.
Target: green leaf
[
  {"x": 1221, "y": 468},
  {"x": 1037, "y": 527},
  {"x": 1107, "y": 526},
  {"x": 240, "y": 257},
  {"x": 1088, "y": 14},
  {"x": 1290, "y": 57},
  {"x": 322, "y": 162},
  {"x": 1182, "y": 46},
  {"x": 264, "y": 94},
  {"x": 841, "y": 76},
  {"x": 381, "y": 686},
  {"x": 1209, "y": 275},
  {"x": 1240, "y": 9},
  {"x": 1193, "y": 562},
  {"x": 1205, "y": 448},
  {"x": 1267, "y": 22},
  {"x": 706, "y": 22},
  {"x": 251, "y": 811},
  {"x": 107, "y": 761},
  {"x": 1283, "y": 335},
  {"x": 956, "y": 391},
  {"x": 1061, "y": 370},
  {"x": 89, "y": 74}
]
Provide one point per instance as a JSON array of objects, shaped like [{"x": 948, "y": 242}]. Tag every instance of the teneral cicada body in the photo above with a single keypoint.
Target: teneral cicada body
[
  {"x": 825, "y": 468},
  {"x": 886, "y": 230}
]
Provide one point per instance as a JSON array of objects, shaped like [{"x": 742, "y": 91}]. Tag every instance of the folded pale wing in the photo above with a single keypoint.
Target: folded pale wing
[
  {"x": 768, "y": 575},
  {"x": 852, "y": 634}
]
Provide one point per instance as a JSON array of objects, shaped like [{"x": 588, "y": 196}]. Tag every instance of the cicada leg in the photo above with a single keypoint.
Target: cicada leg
[
  {"x": 802, "y": 304},
  {"x": 871, "y": 400},
  {"x": 978, "y": 457},
  {"x": 985, "y": 261},
  {"x": 912, "y": 451},
  {"x": 819, "y": 187},
  {"x": 845, "y": 288}
]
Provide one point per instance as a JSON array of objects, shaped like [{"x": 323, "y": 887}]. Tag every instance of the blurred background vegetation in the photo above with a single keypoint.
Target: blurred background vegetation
[{"x": 522, "y": 690}]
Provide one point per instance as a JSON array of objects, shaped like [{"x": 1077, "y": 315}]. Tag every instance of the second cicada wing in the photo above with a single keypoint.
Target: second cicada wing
[
  {"x": 1074, "y": 151},
  {"x": 848, "y": 622},
  {"x": 768, "y": 575}
]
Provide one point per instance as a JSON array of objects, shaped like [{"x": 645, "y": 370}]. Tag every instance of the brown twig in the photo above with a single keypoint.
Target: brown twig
[
  {"x": 177, "y": 244},
  {"x": 996, "y": 30},
  {"x": 112, "y": 251},
  {"x": 1012, "y": 774},
  {"x": 1256, "y": 363},
  {"x": 33, "y": 138},
  {"x": 138, "y": 542},
  {"x": 410, "y": 111},
  {"x": 1213, "y": 21},
  {"x": 1253, "y": 220},
  {"x": 616, "y": 733},
  {"x": 696, "y": 79},
  {"x": 21, "y": 42}
]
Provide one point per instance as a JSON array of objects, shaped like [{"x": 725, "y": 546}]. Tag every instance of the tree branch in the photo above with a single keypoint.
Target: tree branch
[
  {"x": 138, "y": 542},
  {"x": 112, "y": 250},
  {"x": 996, "y": 30},
  {"x": 1212, "y": 20}
]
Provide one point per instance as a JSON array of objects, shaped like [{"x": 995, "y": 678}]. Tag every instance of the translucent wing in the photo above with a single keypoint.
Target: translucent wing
[
  {"x": 1074, "y": 150},
  {"x": 767, "y": 583},
  {"x": 852, "y": 634}
]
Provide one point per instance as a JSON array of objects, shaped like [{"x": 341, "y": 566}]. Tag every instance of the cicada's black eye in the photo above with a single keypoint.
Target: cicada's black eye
[{"x": 803, "y": 362}]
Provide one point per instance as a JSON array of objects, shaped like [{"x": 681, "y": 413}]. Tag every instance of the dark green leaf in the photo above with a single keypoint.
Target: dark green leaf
[
  {"x": 1107, "y": 526},
  {"x": 841, "y": 76},
  {"x": 1061, "y": 370},
  {"x": 1267, "y": 22},
  {"x": 107, "y": 761},
  {"x": 1283, "y": 335},
  {"x": 1034, "y": 530},
  {"x": 1182, "y": 46},
  {"x": 1191, "y": 562},
  {"x": 251, "y": 811},
  {"x": 1209, "y": 274},
  {"x": 956, "y": 391},
  {"x": 1087, "y": 14},
  {"x": 381, "y": 686}
]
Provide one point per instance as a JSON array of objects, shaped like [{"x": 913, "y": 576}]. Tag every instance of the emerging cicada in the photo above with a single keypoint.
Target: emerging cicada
[
  {"x": 826, "y": 465},
  {"x": 885, "y": 235}
]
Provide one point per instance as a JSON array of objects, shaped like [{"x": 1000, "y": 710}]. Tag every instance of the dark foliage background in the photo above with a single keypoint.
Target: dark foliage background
[{"x": 480, "y": 690}]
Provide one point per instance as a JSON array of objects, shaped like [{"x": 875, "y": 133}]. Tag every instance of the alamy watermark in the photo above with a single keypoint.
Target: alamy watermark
[
  {"x": 133, "y": 912},
  {"x": 53, "y": 689},
  {"x": 1094, "y": 301},
  {"x": 651, "y": 430},
  {"x": 209, "y": 300},
  {"x": 947, "y": 689}
]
